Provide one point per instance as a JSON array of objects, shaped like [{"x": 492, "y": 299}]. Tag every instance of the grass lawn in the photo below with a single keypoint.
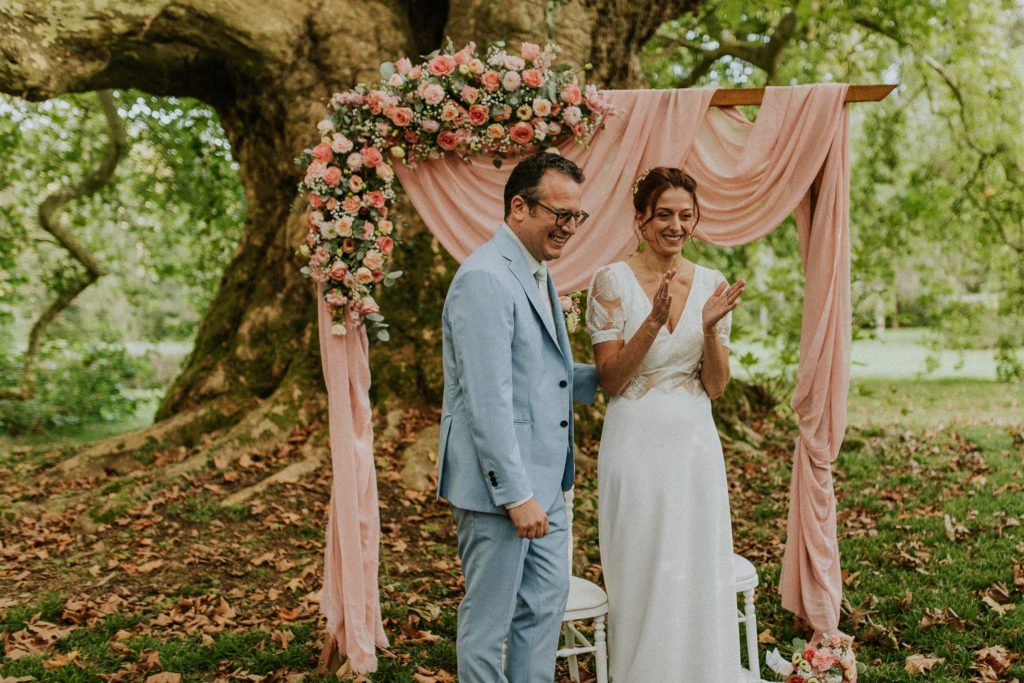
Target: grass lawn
[{"x": 930, "y": 503}]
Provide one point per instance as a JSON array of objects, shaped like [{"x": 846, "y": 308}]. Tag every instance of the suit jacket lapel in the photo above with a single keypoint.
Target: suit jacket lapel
[
  {"x": 563, "y": 333},
  {"x": 517, "y": 264}
]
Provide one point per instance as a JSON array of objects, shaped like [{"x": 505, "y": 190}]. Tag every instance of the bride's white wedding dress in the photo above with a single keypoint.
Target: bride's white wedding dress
[{"x": 665, "y": 532}]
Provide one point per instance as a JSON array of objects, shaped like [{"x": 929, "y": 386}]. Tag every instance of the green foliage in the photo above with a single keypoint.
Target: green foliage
[
  {"x": 76, "y": 382},
  {"x": 937, "y": 192}
]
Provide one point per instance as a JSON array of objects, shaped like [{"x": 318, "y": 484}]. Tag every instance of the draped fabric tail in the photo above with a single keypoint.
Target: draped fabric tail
[
  {"x": 350, "y": 599},
  {"x": 811, "y": 581}
]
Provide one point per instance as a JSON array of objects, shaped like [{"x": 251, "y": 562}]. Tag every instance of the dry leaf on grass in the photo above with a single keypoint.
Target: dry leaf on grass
[{"x": 921, "y": 664}]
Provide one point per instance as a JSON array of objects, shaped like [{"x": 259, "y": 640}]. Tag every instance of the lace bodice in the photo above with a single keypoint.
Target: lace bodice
[{"x": 616, "y": 307}]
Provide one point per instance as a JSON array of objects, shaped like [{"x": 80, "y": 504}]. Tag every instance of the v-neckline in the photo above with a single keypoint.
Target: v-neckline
[{"x": 650, "y": 302}]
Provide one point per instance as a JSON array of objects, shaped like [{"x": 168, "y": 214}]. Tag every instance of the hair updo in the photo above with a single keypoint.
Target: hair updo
[{"x": 651, "y": 185}]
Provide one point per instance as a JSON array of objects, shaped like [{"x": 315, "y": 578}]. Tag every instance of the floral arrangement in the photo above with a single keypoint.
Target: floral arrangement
[
  {"x": 571, "y": 309},
  {"x": 830, "y": 661},
  {"x": 456, "y": 102}
]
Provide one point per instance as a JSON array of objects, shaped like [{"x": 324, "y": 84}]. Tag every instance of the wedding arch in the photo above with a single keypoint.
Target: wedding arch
[{"x": 792, "y": 160}]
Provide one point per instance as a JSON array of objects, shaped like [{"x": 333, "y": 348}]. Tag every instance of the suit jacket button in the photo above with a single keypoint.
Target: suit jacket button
[
  {"x": 565, "y": 423},
  {"x": 563, "y": 384}
]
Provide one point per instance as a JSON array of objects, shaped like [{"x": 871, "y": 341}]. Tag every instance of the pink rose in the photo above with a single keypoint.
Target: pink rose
[
  {"x": 403, "y": 65},
  {"x": 335, "y": 298},
  {"x": 401, "y": 116},
  {"x": 364, "y": 275},
  {"x": 566, "y": 303},
  {"x": 469, "y": 94},
  {"x": 554, "y": 128},
  {"x": 530, "y": 51},
  {"x": 478, "y": 114},
  {"x": 464, "y": 55},
  {"x": 367, "y": 305},
  {"x": 350, "y": 205},
  {"x": 332, "y": 176},
  {"x": 348, "y": 245},
  {"x": 495, "y": 131},
  {"x": 355, "y": 183},
  {"x": 511, "y": 81},
  {"x": 441, "y": 65},
  {"x": 338, "y": 271},
  {"x": 476, "y": 66},
  {"x": 433, "y": 93},
  {"x": 332, "y": 204},
  {"x": 491, "y": 80},
  {"x": 315, "y": 201},
  {"x": 385, "y": 244},
  {"x": 571, "y": 94},
  {"x": 375, "y": 199},
  {"x": 823, "y": 659},
  {"x": 447, "y": 140},
  {"x": 533, "y": 78},
  {"x": 318, "y": 275},
  {"x": 323, "y": 153},
  {"x": 385, "y": 226},
  {"x": 430, "y": 125},
  {"x": 521, "y": 132},
  {"x": 368, "y": 229},
  {"x": 415, "y": 72},
  {"x": 310, "y": 239},
  {"x": 373, "y": 259},
  {"x": 372, "y": 157}
]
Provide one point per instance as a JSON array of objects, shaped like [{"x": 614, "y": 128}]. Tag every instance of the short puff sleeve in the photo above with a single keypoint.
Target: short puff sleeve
[{"x": 606, "y": 315}]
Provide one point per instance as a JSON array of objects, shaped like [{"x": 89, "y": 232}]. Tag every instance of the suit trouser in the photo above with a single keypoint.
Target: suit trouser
[{"x": 515, "y": 587}]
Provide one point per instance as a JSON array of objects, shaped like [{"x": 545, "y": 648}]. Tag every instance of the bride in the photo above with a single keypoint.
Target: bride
[{"x": 660, "y": 329}]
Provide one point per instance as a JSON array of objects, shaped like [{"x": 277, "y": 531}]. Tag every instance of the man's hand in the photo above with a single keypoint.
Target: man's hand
[{"x": 529, "y": 519}]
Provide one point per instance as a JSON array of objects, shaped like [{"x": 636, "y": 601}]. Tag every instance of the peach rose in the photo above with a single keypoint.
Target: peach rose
[
  {"x": 323, "y": 153},
  {"x": 530, "y": 51},
  {"x": 373, "y": 259},
  {"x": 385, "y": 226},
  {"x": 385, "y": 173},
  {"x": 355, "y": 183},
  {"x": 476, "y": 66},
  {"x": 469, "y": 94},
  {"x": 315, "y": 201},
  {"x": 415, "y": 72},
  {"x": 400, "y": 116},
  {"x": 571, "y": 94},
  {"x": 447, "y": 140},
  {"x": 491, "y": 80},
  {"x": 465, "y": 54},
  {"x": 441, "y": 65},
  {"x": 433, "y": 94},
  {"x": 364, "y": 275},
  {"x": 338, "y": 271},
  {"x": 478, "y": 114},
  {"x": 367, "y": 305},
  {"x": 385, "y": 244},
  {"x": 375, "y": 199},
  {"x": 450, "y": 112},
  {"x": 533, "y": 78},
  {"x": 541, "y": 106},
  {"x": 332, "y": 204},
  {"x": 332, "y": 176},
  {"x": 345, "y": 226},
  {"x": 350, "y": 205},
  {"x": 495, "y": 131},
  {"x": 372, "y": 157},
  {"x": 521, "y": 132}
]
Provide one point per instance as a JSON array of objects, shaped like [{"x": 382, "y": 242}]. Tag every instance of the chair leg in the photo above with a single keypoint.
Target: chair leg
[
  {"x": 601, "y": 650},
  {"x": 750, "y": 622},
  {"x": 570, "y": 641}
]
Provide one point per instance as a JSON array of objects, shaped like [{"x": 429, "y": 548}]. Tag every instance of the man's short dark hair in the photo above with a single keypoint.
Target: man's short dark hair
[{"x": 527, "y": 174}]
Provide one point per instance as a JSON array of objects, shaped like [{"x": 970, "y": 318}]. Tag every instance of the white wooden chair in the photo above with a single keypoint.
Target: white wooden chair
[
  {"x": 587, "y": 601},
  {"x": 745, "y": 577}
]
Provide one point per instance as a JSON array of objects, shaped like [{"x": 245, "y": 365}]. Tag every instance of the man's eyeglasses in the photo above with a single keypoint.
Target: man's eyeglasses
[{"x": 563, "y": 216}]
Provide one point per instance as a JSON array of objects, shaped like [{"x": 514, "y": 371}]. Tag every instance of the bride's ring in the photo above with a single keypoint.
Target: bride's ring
[{"x": 663, "y": 296}]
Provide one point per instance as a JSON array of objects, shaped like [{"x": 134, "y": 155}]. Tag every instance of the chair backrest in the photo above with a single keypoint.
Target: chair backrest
[{"x": 569, "y": 497}]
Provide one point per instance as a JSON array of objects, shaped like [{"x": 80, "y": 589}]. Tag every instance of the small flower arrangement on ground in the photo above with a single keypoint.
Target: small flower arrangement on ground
[
  {"x": 830, "y": 661},
  {"x": 457, "y": 102},
  {"x": 571, "y": 309}
]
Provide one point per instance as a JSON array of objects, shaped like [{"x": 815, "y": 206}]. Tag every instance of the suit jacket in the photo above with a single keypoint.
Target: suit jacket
[{"x": 509, "y": 385}]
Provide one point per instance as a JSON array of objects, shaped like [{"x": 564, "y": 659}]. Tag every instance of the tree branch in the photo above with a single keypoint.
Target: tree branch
[{"x": 49, "y": 219}]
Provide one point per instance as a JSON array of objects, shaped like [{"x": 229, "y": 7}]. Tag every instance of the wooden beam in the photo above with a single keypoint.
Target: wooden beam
[{"x": 732, "y": 97}]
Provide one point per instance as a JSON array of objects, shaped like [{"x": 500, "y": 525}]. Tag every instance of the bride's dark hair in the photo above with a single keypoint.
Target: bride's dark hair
[{"x": 652, "y": 184}]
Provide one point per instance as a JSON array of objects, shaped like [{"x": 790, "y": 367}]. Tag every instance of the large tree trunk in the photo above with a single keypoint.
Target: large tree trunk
[{"x": 265, "y": 65}]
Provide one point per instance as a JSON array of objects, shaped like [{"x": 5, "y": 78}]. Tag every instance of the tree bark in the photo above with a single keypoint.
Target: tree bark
[{"x": 266, "y": 69}]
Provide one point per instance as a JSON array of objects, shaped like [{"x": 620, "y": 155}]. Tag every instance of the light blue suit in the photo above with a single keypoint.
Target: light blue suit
[{"x": 506, "y": 435}]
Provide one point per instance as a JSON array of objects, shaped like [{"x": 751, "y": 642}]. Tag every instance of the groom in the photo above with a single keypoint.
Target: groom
[{"x": 507, "y": 428}]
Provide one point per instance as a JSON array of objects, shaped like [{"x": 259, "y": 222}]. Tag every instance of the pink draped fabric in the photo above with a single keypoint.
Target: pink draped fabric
[
  {"x": 793, "y": 159},
  {"x": 350, "y": 600}
]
